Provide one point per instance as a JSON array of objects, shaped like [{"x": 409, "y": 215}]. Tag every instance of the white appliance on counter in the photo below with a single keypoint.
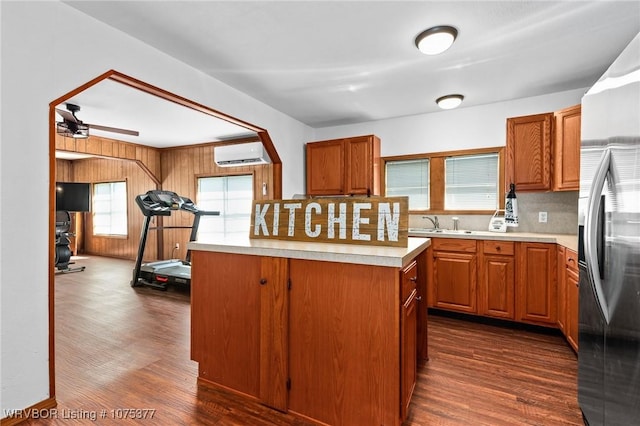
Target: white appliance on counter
[{"x": 498, "y": 222}]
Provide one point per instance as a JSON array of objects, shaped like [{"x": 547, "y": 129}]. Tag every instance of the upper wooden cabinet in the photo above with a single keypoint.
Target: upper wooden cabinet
[
  {"x": 543, "y": 151},
  {"x": 348, "y": 166},
  {"x": 528, "y": 159},
  {"x": 566, "y": 149}
]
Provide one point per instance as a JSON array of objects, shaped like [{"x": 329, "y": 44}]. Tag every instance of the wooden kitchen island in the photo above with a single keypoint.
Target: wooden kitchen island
[{"x": 328, "y": 332}]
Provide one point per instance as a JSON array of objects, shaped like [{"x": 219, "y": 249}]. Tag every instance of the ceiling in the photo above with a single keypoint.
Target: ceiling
[{"x": 328, "y": 63}]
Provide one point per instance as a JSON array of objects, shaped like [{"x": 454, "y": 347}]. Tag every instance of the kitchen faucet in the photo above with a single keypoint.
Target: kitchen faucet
[{"x": 435, "y": 222}]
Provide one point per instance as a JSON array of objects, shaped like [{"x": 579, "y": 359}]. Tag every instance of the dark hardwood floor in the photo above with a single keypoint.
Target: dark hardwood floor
[{"x": 122, "y": 348}]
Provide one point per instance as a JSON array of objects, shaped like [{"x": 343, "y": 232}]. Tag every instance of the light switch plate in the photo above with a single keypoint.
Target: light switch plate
[{"x": 542, "y": 217}]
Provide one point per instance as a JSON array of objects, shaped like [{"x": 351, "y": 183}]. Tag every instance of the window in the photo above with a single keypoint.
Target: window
[
  {"x": 409, "y": 178},
  {"x": 471, "y": 182},
  {"x": 110, "y": 208},
  {"x": 232, "y": 196},
  {"x": 465, "y": 181}
]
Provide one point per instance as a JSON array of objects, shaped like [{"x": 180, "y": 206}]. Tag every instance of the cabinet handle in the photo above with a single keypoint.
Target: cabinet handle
[
  {"x": 414, "y": 279},
  {"x": 571, "y": 259},
  {"x": 263, "y": 281},
  {"x": 419, "y": 298},
  {"x": 497, "y": 248}
]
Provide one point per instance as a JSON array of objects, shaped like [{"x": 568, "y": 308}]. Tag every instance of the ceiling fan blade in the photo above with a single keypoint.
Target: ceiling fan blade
[
  {"x": 114, "y": 130},
  {"x": 66, "y": 115}
]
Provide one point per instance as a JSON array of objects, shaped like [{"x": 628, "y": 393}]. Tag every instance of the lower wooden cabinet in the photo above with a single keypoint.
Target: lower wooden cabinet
[
  {"x": 454, "y": 274},
  {"x": 562, "y": 290},
  {"x": 536, "y": 293},
  {"x": 408, "y": 346},
  {"x": 501, "y": 279},
  {"x": 408, "y": 336},
  {"x": 572, "y": 291},
  {"x": 496, "y": 279},
  {"x": 335, "y": 343}
]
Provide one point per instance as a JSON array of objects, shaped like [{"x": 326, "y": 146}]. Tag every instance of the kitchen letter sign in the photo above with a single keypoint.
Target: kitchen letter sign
[{"x": 368, "y": 221}]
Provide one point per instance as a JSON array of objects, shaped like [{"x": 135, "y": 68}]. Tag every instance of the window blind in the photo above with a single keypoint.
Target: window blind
[
  {"x": 409, "y": 178},
  {"x": 471, "y": 182}
]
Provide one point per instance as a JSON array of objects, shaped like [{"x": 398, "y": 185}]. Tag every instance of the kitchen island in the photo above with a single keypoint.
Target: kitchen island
[{"x": 328, "y": 332}]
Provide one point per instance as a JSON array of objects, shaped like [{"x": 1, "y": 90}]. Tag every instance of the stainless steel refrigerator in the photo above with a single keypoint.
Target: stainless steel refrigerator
[{"x": 609, "y": 246}]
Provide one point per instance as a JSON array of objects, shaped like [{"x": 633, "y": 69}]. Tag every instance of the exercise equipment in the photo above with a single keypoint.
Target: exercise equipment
[
  {"x": 162, "y": 273},
  {"x": 62, "y": 250}
]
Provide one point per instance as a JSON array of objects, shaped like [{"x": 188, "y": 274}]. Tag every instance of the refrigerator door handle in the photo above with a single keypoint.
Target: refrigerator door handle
[{"x": 591, "y": 230}]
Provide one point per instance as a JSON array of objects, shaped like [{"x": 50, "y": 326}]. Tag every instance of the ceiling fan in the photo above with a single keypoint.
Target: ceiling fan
[{"x": 72, "y": 126}]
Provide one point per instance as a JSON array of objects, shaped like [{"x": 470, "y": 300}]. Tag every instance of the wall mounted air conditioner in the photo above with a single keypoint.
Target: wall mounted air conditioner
[{"x": 241, "y": 154}]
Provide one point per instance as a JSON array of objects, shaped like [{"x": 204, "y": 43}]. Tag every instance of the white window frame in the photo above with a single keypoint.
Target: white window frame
[
  {"x": 116, "y": 211},
  {"x": 230, "y": 222}
]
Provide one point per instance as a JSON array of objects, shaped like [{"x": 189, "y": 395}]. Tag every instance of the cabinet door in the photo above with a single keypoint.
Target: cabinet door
[
  {"x": 571, "y": 284},
  {"x": 497, "y": 286},
  {"x": 536, "y": 293},
  {"x": 572, "y": 308},
  {"x": 408, "y": 346},
  {"x": 344, "y": 342},
  {"x": 454, "y": 286},
  {"x": 223, "y": 304},
  {"x": 425, "y": 266},
  {"x": 528, "y": 159},
  {"x": 566, "y": 152},
  {"x": 496, "y": 277},
  {"x": 325, "y": 168},
  {"x": 361, "y": 165},
  {"x": 274, "y": 338},
  {"x": 562, "y": 290}
]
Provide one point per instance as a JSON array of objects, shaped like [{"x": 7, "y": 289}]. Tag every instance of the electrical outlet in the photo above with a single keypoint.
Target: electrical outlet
[
  {"x": 177, "y": 247},
  {"x": 542, "y": 217}
]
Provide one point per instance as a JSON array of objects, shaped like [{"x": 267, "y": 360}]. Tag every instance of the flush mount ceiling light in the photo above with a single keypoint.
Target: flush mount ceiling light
[
  {"x": 449, "y": 101},
  {"x": 436, "y": 40}
]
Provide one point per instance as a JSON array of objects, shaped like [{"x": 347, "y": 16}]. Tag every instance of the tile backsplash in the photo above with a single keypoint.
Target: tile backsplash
[{"x": 561, "y": 208}]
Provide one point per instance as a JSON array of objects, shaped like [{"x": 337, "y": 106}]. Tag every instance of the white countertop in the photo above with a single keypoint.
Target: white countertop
[
  {"x": 567, "y": 240},
  {"x": 397, "y": 257}
]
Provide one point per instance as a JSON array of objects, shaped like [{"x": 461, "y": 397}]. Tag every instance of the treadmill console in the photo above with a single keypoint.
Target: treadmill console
[
  {"x": 161, "y": 203},
  {"x": 167, "y": 199}
]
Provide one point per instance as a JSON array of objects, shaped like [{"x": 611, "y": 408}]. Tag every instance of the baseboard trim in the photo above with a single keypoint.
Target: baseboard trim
[{"x": 43, "y": 409}]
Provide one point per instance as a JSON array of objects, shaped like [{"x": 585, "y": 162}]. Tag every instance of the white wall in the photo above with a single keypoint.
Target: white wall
[
  {"x": 39, "y": 42},
  {"x": 463, "y": 128}
]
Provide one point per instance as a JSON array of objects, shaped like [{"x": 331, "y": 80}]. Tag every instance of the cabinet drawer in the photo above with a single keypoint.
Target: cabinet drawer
[
  {"x": 498, "y": 247},
  {"x": 454, "y": 244},
  {"x": 571, "y": 260},
  {"x": 409, "y": 276}
]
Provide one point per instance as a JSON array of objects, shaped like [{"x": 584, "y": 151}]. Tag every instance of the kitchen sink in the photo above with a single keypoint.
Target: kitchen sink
[{"x": 439, "y": 231}]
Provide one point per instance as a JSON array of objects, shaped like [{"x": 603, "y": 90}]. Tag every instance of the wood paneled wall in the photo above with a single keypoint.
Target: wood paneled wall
[
  {"x": 178, "y": 168},
  {"x": 181, "y": 167},
  {"x": 148, "y": 157},
  {"x": 64, "y": 170},
  {"x": 96, "y": 170}
]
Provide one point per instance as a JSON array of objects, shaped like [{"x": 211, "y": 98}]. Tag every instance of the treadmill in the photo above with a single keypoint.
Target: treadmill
[{"x": 162, "y": 273}]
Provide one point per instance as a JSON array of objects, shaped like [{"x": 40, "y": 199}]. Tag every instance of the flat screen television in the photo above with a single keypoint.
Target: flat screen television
[{"x": 73, "y": 196}]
